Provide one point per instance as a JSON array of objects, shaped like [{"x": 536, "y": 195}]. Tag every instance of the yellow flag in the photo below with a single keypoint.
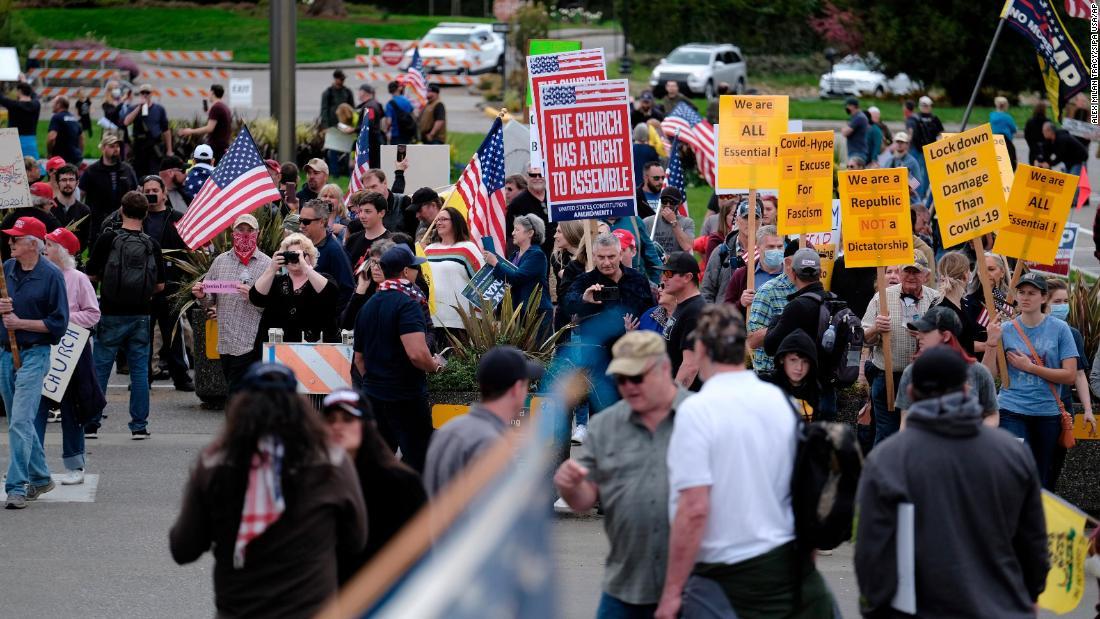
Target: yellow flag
[
  {"x": 655, "y": 141},
  {"x": 1068, "y": 545},
  {"x": 426, "y": 270}
]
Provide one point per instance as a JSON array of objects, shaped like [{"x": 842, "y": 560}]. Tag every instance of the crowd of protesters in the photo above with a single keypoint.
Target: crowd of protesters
[{"x": 679, "y": 440}]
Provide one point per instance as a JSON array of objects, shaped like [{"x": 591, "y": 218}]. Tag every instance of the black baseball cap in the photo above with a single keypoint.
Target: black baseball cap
[
  {"x": 399, "y": 257},
  {"x": 434, "y": 88},
  {"x": 937, "y": 319},
  {"x": 939, "y": 370},
  {"x": 1033, "y": 279},
  {"x": 421, "y": 197},
  {"x": 672, "y": 193},
  {"x": 680, "y": 262},
  {"x": 502, "y": 366}
]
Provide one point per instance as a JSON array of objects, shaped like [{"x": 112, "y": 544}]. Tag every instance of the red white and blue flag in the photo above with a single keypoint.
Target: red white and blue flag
[
  {"x": 583, "y": 60},
  {"x": 415, "y": 80},
  {"x": 1079, "y": 8},
  {"x": 482, "y": 188},
  {"x": 696, "y": 132},
  {"x": 263, "y": 499},
  {"x": 362, "y": 160},
  {"x": 674, "y": 175},
  {"x": 239, "y": 184}
]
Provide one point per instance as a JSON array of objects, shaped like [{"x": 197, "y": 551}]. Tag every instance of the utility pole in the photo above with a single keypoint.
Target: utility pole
[{"x": 284, "y": 26}]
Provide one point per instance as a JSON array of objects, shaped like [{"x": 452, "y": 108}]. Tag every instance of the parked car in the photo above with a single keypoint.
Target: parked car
[
  {"x": 700, "y": 67},
  {"x": 862, "y": 76},
  {"x": 490, "y": 56}
]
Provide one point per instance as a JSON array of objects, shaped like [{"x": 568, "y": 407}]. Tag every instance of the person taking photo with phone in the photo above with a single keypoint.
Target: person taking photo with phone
[{"x": 294, "y": 296}]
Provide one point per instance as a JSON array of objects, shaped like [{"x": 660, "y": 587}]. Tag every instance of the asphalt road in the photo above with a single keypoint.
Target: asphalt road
[{"x": 109, "y": 557}]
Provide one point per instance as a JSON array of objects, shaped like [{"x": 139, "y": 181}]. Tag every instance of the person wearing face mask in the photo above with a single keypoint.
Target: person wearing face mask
[
  {"x": 1058, "y": 307},
  {"x": 768, "y": 268},
  {"x": 238, "y": 319},
  {"x": 730, "y": 255}
]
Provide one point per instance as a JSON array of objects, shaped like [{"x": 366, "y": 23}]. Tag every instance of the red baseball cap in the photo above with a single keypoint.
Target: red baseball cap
[
  {"x": 626, "y": 239},
  {"x": 42, "y": 190},
  {"x": 54, "y": 163},
  {"x": 27, "y": 226},
  {"x": 65, "y": 238}
]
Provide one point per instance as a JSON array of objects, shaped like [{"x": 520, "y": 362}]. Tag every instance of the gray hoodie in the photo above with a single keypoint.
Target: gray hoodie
[{"x": 980, "y": 534}]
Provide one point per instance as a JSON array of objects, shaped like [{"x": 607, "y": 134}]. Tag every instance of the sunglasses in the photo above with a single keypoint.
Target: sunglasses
[
  {"x": 633, "y": 380},
  {"x": 305, "y": 221},
  {"x": 534, "y": 175},
  {"x": 657, "y": 178},
  {"x": 669, "y": 203}
]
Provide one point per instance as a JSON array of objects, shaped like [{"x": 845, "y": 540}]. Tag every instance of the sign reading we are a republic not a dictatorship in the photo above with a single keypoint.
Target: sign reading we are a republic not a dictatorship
[{"x": 589, "y": 162}]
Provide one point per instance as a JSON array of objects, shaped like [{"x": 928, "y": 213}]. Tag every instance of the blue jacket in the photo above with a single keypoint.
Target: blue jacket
[
  {"x": 331, "y": 260},
  {"x": 647, "y": 260},
  {"x": 37, "y": 295},
  {"x": 529, "y": 270}
]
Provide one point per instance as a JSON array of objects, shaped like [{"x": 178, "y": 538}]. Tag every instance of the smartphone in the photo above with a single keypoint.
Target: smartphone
[
  {"x": 488, "y": 245},
  {"x": 401, "y": 150},
  {"x": 205, "y": 105},
  {"x": 607, "y": 293},
  {"x": 150, "y": 198},
  {"x": 290, "y": 193}
]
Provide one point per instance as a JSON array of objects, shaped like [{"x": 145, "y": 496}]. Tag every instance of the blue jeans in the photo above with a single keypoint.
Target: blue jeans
[
  {"x": 131, "y": 334},
  {"x": 22, "y": 391},
  {"x": 1040, "y": 434},
  {"x": 614, "y": 608},
  {"x": 887, "y": 422},
  {"x": 581, "y": 413},
  {"x": 72, "y": 433}
]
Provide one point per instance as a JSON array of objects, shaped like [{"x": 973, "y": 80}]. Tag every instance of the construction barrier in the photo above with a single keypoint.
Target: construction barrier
[
  {"x": 178, "y": 56},
  {"x": 180, "y": 74},
  {"x": 79, "y": 55},
  {"x": 75, "y": 74},
  {"x": 405, "y": 44},
  {"x": 377, "y": 61},
  {"x": 434, "y": 78},
  {"x": 320, "y": 368},
  {"x": 72, "y": 91}
]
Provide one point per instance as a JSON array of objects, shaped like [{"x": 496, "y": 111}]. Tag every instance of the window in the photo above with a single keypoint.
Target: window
[{"x": 734, "y": 57}]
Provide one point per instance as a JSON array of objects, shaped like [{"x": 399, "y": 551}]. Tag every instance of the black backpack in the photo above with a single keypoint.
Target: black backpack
[
  {"x": 824, "y": 482},
  {"x": 839, "y": 341},
  {"x": 406, "y": 124},
  {"x": 131, "y": 268}
]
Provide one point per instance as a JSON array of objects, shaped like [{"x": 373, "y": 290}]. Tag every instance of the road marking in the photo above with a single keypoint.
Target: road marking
[{"x": 80, "y": 493}]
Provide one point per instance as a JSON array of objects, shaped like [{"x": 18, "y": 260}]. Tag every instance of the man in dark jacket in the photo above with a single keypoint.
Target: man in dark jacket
[
  {"x": 1058, "y": 146},
  {"x": 67, "y": 208},
  {"x": 104, "y": 183},
  {"x": 975, "y": 504},
  {"x": 332, "y": 97},
  {"x": 23, "y": 114}
]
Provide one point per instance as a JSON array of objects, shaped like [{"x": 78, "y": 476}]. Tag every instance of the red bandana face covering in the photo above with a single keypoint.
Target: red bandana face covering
[{"x": 244, "y": 245}]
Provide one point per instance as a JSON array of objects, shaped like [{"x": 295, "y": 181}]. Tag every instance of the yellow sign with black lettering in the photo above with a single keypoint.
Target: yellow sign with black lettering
[
  {"x": 966, "y": 185},
  {"x": 1038, "y": 209},
  {"x": 749, "y": 127},
  {"x": 1004, "y": 162},
  {"x": 805, "y": 182},
  {"x": 875, "y": 227}
]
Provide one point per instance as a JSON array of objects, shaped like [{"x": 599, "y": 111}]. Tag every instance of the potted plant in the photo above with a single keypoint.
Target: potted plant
[{"x": 210, "y": 385}]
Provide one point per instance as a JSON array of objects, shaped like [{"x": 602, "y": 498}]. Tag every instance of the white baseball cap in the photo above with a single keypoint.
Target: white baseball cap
[
  {"x": 203, "y": 152},
  {"x": 925, "y": 100}
]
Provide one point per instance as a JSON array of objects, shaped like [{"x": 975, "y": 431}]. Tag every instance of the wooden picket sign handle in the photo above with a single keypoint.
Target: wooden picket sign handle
[
  {"x": 750, "y": 253},
  {"x": 15, "y": 360},
  {"x": 990, "y": 308},
  {"x": 887, "y": 356}
]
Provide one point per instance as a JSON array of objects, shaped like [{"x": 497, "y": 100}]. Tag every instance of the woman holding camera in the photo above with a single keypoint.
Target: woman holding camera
[{"x": 300, "y": 301}]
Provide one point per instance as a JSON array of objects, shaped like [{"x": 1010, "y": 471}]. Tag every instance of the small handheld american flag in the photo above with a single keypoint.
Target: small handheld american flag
[
  {"x": 674, "y": 175},
  {"x": 696, "y": 132},
  {"x": 415, "y": 80},
  {"x": 362, "y": 160},
  {"x": 239, "y": 184},
  {"x": 482, "y": 187}
]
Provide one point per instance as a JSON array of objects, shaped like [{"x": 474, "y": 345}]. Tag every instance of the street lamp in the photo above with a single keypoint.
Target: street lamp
[{"x": 830, "y": 55}]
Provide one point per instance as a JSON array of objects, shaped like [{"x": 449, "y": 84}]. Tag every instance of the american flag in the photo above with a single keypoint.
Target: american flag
[
  {"x": 263, "y": 500},
  {"x": 415, "y": 80},
  {"x": 696, "y": 132},
  {"x": 583, "y": 60},
  {"x": 674, "y": 175},
  {"x": 239, "y": 184},
  {"x": 482, "y": 187},
  {"x": 362, "y": 160},
  {"x": 1079, "y": 8}
]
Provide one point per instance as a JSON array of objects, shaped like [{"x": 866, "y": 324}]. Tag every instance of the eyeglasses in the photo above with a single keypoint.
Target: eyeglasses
[
  {"x": 305, "y": 221},
  {"x": 534, "y": 175}
]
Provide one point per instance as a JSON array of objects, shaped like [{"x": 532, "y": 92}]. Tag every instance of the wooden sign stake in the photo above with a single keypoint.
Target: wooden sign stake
[{"x": 887, "y": 356}]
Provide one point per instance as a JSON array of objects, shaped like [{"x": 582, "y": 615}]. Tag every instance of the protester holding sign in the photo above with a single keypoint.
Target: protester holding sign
[
  {"x": 83, "y": 398},
  {"x": 528, "y": 268},
  {"x": 1041, "y": 355},
  {"x": 454, "y": 261}
]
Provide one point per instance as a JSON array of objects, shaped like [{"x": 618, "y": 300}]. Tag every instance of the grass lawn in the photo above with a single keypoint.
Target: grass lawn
[{"x": 246, "y": 33}]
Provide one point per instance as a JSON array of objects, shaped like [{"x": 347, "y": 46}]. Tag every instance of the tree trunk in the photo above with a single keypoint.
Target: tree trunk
[{"x": 327, "y": 8}]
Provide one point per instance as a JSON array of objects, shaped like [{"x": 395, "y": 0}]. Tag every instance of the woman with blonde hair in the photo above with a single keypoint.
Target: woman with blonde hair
[
  {"x": 338, "y": 218},
  {"x": 339, "y": 140},
  {"x": 998, "y": 270},
  {"x": 954, "y": 273},
  {"x": 294, "y": 296}
]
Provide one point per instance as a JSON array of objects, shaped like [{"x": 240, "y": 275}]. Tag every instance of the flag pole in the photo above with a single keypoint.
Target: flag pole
[{"x": 985, "y": 66}]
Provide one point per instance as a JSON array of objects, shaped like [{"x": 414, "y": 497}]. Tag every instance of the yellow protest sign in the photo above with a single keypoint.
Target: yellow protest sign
[
  {"x": 1004, "y": 163},
  {"x": 805, "y": 182},
  {"x": 966, "y": 185},
  {"x": 1038, "y": 209},
  {"x": 875, "y": 225},
  {"x": 1068, "y": 545},
  {"x": 749, "y": 127},
  {"x": 827, "y": 252}
]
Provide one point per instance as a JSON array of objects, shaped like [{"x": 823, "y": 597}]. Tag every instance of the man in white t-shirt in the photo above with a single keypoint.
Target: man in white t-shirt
[{"x": 729, "y": 470}]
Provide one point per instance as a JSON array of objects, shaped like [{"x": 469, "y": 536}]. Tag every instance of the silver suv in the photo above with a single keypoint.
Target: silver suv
[{"x": 700, "y": 67}]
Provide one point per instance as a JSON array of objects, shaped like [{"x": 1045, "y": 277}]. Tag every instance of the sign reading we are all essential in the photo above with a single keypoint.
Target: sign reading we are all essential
[
  {"x": 875, "y": 225},
  {"x": 966, "y": 185},
  {"x": 1038, "y": 209},
  {"x": 749, "y": 127},
  {"x": 805, "y": 182},
  {"x": 587, "y": 149}
]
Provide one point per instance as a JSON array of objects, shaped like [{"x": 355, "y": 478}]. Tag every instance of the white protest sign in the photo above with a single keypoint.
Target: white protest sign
[
  {"x": 240, "y": 92},
  {"x": 14, "y": 189},
  {"x": 220, "y": 286},
  {"x": 63, "y": 358},
  {"x": 429, "y": 165},
  {"x": 586, "y": 65}
]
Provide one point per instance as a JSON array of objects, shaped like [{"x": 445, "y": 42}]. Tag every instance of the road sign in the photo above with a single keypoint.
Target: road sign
[
  {"x": 240, "y": 92},
  {"x": 392, "y": 53}
]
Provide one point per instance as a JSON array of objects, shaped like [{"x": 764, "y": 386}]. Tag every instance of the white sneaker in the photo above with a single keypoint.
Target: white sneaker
[
  {"x": 72, "y": 478},
  {"x": 579, "y": 435}
]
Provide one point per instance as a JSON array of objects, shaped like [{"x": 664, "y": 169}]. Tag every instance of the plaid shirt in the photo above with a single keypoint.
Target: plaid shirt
[
  {"x": 768, "y": 304},
  {"x": 238, "y": 319},
  {"x": 902, "y": 312}
]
